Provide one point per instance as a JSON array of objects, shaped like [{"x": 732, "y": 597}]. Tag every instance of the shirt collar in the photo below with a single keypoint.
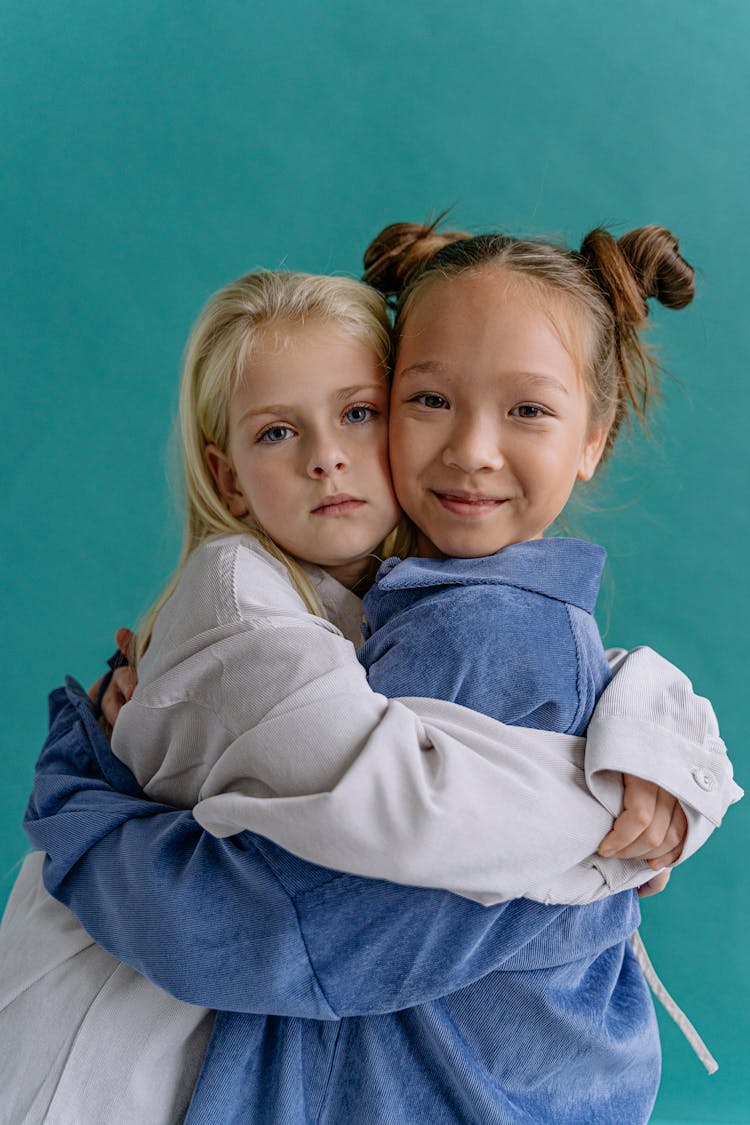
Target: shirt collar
[
  {"x": 568, "y": 570},
  {"x": 342, "y": 607}
]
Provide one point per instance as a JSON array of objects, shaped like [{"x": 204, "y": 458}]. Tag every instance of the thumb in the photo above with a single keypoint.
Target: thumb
[{"x": 125, "y": 641}]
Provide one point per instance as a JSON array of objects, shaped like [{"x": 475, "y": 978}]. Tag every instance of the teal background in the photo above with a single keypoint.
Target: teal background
[{"x": 153, "y": 152}]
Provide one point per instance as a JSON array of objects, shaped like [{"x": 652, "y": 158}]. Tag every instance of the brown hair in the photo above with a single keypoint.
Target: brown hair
[{"x": 608, "y": 282}]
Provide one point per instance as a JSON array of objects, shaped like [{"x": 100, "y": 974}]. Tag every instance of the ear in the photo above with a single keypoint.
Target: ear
[
  {"x": 592, "y": 452},
  {"x": 222, "y": 470}
]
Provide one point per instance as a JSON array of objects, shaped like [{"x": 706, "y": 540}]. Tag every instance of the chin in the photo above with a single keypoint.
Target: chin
[{"x": 464, "y": 551}]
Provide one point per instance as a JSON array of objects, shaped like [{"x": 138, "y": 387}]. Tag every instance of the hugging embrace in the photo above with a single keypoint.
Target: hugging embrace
[{"x": 385, "y": 869}]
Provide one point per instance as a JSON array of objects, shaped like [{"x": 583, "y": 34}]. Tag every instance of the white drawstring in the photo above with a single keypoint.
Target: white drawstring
[{"x": 670, "y": 1006}]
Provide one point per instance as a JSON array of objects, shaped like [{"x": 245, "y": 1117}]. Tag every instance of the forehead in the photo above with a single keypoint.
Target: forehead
[
  {"x": 489, "y": 318},
  {"x": 301, "y": 364}
]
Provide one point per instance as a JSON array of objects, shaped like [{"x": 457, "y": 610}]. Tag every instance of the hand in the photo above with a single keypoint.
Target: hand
[
  {"x": 119, "y": 690},
  {"x": 120, "y": 687},
  {"x": 652, "y": 825},
  {"x": 654, "y": 886},
  {"x": 125, "y": 641}
]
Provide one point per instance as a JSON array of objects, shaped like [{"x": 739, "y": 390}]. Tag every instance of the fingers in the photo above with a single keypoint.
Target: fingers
[
  {"x": 651, "y": 841},
  {"x": 639, "y": 807},
  {"x": 671, "y": 847},
  {"x": 126, "y": 680},
  {"x": 112, "y": 701},
  {"x": 93, "y": 692},
  {"x": 124, "y": 639},
  {"x": 121, "y": 686},
  {"x": 655, "y": 885},
  {"x": 119, "y": 691},
  {"x": 652, "y": 825},
  {"x": 668, "y": 860}
]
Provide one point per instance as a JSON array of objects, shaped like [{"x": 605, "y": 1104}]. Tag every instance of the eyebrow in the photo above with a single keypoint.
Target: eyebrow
[
  {"x": 543, "y": 380},
  {"x": 288, "y": 408},
  {"x": 435, "y": 367},
  {"x": 427, "y": 367}
]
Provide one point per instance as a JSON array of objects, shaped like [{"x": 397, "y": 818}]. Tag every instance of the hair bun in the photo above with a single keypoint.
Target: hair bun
[
  {"x": 613, "y": 274},
  {"x": 659, "y": 269},
  {"x": 643, "y": 263},
  {"x": 396, "y": 255}
]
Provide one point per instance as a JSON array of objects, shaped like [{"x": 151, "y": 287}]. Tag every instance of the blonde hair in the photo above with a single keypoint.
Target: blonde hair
[
  {"x": 235, "y": 322},
  {"x": 607, "y": 283}
]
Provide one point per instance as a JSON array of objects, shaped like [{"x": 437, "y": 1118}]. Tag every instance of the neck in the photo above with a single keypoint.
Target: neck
[{"x": 356, "y": 576}]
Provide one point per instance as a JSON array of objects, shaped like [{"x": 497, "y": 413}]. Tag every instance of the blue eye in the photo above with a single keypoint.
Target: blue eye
[
  {"x": 360, "y": 413},
  {"x": 275, "y": 434}
]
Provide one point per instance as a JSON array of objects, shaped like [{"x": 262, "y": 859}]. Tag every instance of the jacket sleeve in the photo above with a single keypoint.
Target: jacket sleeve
[
  {"x": 237, "y": 924},
  {"x": 428, "y": 793}
]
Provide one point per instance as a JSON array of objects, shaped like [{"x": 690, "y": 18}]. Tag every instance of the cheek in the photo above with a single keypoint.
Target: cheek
[
  {"x": 394, "y": 433},
  {"x": 406, "y": 482},
  {"x": 384, "y": 463},
  {"x": 381, "y": 439},
  {"x": 414, "y": 441},
  {"x": 372, "y": 445},
  {"x": 394, "y": 428},
  {"x": 381, "y": 468},
  {"x": 401, "y": 452},
  {"x": 264, "y": 479},
  {"x": 545, "y": 467}
]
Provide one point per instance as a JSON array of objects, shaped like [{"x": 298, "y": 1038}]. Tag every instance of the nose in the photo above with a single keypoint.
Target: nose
[
  {"x": 474, "y": 445},
  {"x": 325, "y": 456}
]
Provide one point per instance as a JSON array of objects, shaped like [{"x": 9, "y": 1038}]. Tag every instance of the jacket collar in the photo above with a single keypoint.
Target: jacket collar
[{"x": 568, "y": 570}]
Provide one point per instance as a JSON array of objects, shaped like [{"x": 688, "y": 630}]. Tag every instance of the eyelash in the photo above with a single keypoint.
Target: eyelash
[
  {"x": 419, "y": 399},
  {"x": 542, "y": 412},
  {"x": 373, "y": 412},
  {"x": 266, "y": 440},
  {"x": 263, "y": 439}
]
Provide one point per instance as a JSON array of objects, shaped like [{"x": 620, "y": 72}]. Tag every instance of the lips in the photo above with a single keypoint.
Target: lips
[
  {"x": 339, "y": 504},
  {"x": 469, "y": 503}
]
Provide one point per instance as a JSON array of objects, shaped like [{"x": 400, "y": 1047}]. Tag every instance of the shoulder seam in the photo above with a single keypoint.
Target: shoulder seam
[{"x": 579, "y": 672}]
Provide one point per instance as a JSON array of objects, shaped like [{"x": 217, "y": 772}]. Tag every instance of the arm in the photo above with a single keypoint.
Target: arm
[
  {"x": 650, "y": 723},
  {"x": 266, "y": 719},
  {"x": 378, "y": 792},
  {"x": 237, "y": 924},
  {"x": 497, "y": 811}
]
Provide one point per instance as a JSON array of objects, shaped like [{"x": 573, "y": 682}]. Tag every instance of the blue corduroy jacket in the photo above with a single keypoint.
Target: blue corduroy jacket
[
  {"x": 512, "y": 635},
  {"x": 348, "y": 999}
]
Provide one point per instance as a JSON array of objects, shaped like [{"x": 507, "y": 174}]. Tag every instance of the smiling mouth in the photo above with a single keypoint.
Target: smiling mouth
[
  {"x": 470, "y": 503},
  {"x": 339, "y": 505}
]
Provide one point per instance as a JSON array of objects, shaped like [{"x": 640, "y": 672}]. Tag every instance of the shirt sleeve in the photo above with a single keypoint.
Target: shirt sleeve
[
  {"x": 429, "y": 793},
  {"x": 266, "y": 718},
  {"x": 236, "y": 924},
  {"x": 650, "y": 723}
]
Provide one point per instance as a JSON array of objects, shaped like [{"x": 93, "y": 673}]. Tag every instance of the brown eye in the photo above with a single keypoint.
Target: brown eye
[
  {"x": 528, "y": 410},
  {"x": 431, "y": 401}
]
